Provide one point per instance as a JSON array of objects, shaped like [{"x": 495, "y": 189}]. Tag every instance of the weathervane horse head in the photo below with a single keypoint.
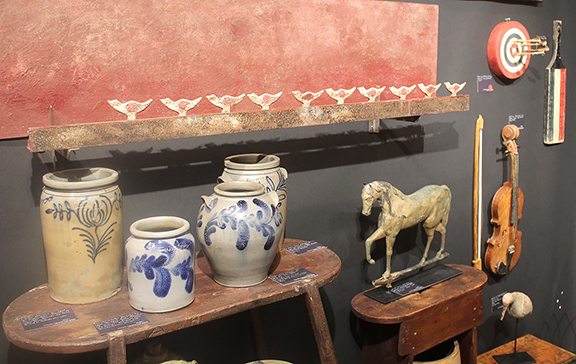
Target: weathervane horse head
[{"x": 430, "y": 205}]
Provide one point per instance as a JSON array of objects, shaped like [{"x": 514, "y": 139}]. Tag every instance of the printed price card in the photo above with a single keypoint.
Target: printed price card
[
  {"x": 121, "y": 323},
  {"x": 305, "y": 247},
  {"x": 293, "y": 276},
  {"x": 48, "y": 319},
  {"x": 407, "y": 288},
  {"x": 517, "y": 120},
  {"x": 485, "y": 83}
]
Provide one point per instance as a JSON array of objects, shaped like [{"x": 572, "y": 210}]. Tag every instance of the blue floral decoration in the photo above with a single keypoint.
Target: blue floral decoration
[
  {"x": 93, "y": 215},
  {"x": 208, "y": 207},
  {"x": 261, "y": 221},
  {"x": 154, "y": 267},
  {"x": 186, "y": 272},
  {"x": 279, "y": 188}
]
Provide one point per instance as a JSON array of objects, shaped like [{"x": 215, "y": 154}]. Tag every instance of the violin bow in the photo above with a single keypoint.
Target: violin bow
[{"x": 477, "y": 262}]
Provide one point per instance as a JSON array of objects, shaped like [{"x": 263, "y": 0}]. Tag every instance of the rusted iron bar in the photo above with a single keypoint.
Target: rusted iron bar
[{"x": 65, "y": 137}]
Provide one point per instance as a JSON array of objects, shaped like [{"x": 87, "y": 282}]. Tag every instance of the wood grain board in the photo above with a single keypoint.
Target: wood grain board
[
  {"x": 81, "y": 336},
  {"x": 73, "y": 56},
  {"x": 543, "y": 352}
]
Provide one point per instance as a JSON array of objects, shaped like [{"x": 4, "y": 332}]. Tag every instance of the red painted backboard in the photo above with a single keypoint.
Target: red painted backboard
[{"x": 74, "y": 55}]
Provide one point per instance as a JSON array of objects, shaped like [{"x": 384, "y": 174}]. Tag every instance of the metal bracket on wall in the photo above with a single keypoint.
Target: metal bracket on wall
[
  {"x": 374, "y": 126},
  {"x": 76, "y": 136},
  {"x": 59, "y": 154}
]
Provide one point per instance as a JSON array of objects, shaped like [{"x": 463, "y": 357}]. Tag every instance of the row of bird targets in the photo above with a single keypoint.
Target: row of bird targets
[{"x": 131, "y": 108}]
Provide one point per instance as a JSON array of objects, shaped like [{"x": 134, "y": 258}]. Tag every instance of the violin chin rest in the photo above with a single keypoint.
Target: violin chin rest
[{"x": 502, "y": 269}]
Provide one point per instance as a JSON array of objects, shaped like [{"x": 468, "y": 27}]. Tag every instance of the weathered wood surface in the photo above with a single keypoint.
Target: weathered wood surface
[
  {"x": 410, "y": 306},
  {"x": 543, "y": 352},
  {"x": 397, "y": 331},
  {"x": 444, "y": 320},
  {"x": 212, "y": 302},
  {"x": 142, "y": 130},
  {"x": 76, "y": 55}
]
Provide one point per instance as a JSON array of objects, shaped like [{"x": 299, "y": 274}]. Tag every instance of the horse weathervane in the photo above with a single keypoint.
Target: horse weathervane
[{"x": 430, "y": 205}]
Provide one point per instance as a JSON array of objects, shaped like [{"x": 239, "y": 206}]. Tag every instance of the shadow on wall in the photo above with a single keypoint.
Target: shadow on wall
[
  {"x": 166, "y": 169},
  {"x": 559, "y": 329}
]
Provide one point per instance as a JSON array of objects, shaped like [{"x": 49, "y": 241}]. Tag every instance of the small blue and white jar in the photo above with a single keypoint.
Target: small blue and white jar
[
  {"x": 160, "y": 262},
  {"x": 239, "y": 228}
]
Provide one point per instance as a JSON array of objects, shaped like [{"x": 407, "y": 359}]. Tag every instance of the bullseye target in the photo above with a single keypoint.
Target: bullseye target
[{"x": 505, "y": 50}]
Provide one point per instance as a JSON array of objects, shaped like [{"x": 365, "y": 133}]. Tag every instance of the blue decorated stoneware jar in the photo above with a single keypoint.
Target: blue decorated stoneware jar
[
  {"x": 81, "y": 216},
  {"x": 264, "y": 169},
  {"x": 239, "y": 228},
  {"x": 160, "y": 262}
]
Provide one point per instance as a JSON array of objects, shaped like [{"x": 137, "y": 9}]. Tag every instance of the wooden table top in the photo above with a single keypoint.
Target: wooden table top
[
  {"x": 543, "y": 352},
  {"x": 410, "y": 306},
  {"x": 212, "y": 301}
]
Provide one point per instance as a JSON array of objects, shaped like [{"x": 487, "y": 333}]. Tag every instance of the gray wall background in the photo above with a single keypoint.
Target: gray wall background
[{"x": 327, "y": 165}]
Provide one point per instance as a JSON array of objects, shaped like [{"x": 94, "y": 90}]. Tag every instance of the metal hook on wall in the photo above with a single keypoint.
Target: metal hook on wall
[{"x": 58, "y": 154}]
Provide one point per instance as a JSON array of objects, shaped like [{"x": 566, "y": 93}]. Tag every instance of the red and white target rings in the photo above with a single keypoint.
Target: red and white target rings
[{"x": 504, "y": 51}]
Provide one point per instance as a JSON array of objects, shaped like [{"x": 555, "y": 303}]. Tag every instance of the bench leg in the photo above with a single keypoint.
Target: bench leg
[
  {"x": 116, "y": 348},
  {"x": 320, "y": 327}
]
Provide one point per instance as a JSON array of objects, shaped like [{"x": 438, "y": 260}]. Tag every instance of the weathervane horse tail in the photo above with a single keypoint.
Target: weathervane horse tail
[{"x": 430, "y": 205}]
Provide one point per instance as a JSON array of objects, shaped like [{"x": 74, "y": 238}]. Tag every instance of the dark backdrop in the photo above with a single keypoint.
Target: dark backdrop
[{"x": 327, "y": 165}]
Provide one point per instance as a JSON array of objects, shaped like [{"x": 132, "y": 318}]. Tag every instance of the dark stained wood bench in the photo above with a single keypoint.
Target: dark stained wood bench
[
  {"x": 397, "y": 331},
  {"x": 212, "y": 301}
]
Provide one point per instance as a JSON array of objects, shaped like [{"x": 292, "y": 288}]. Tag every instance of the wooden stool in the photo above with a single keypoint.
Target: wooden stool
[
  {"x": 397, "y": 331},
  {"x": 543, "y": 352}
]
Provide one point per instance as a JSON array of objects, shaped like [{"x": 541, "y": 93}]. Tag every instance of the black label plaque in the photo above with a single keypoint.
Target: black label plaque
[
  {"x": 496, "y": 302},
  {"x": 305, "y": 247},
  {"x": 48, "y": 319},
  {"x": 405, "y": 286},
  {"x": 121, "y": 323},
  {"x": 293, "y": 276},
  {"x": 514, "y": 358},
  {"x": 485, "y": 83}
]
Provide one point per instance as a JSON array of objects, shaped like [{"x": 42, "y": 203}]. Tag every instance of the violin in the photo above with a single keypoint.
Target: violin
[{"x": 505, "y": 244}]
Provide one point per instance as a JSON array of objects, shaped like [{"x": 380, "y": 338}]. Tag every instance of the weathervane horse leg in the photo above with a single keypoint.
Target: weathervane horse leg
[
  {"x": 441, "y": 228},
  {"x": 377, "y": 235},
  {"x": 430, "y": 234},
  {"x": 390, "y": 240}
]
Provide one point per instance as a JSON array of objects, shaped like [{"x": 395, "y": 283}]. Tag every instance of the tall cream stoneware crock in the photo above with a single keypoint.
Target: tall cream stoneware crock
[
  {"x": 261, "y": 168},
  {"x": 81, "y": 216}
]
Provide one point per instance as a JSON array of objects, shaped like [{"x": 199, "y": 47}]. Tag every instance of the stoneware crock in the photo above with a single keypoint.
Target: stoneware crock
[
  {"x": 239, "y": 228},
  {"x": 81, "y": 217},
  {"x": 160, "y": 262},
  {"x": 264, "y": 169}
]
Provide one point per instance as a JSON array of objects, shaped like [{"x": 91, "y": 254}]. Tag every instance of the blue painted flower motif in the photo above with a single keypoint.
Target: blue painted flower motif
[
  {"x": 208, "y": 207},
  {"x": 93, "y": 214},
  {"x": 186, "y": 272},
  {"x": 236, "y": 217},
  {"x": 184, "y": 244},
  {"x": 154, "y": 268},
  {"x": 280, "y": 188}
]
